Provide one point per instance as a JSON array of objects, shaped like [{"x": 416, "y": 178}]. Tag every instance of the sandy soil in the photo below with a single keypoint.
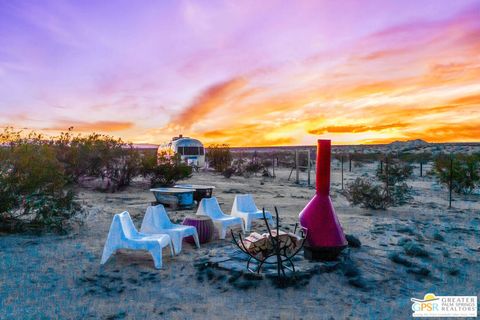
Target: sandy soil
[{"x": 55, "y": 276}]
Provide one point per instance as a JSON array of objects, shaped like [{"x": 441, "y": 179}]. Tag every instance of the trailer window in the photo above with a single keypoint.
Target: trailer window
[{"x": 191, "y": 151}]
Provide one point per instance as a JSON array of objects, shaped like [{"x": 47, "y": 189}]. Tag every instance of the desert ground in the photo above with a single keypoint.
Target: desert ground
[{"x": 53, "y": 276}]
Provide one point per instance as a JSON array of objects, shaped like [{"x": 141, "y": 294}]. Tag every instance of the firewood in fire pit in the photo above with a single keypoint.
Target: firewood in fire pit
[{"x": 260, "y": 245}]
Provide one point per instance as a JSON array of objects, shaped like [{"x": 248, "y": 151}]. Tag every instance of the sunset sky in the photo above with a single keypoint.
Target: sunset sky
[{"x": 246, "y": 73}]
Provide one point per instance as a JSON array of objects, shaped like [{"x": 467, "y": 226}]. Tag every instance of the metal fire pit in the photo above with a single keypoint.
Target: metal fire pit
[{"x": 283, "y": 260}]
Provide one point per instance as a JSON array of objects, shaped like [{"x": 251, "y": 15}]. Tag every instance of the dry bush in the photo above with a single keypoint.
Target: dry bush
[
  {"x": 391, "y": 191},
  {"x": 394, "y": 171},
  {"x": 98, "y": 156},
  {"x": 365, "y": 193},
  {"x": 164, "y": 171},
  {"x": 219, "y": 157},
  {"x": 34, "y": 189},
  {"x": 253, "y": 167},
  {"x": 228, "y": 173},
  {"x": 465, "y": 171}
]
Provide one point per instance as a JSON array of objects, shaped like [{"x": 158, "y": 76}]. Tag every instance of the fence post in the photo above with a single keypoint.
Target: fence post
[
  {"x": 273, "y": 167},
  {"x": 297, "y": 173},
  {"x": 421, "y": 169},
  {"x": 349, "y": 163},
  {"x": 386, "y": 176},
  {"x": 342, "y": 171},
  {"x": 450, "y": 178},
  {"x": 308, "y": 166}
]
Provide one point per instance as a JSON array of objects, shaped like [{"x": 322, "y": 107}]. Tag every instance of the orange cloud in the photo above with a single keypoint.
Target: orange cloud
[
  {"x": 460, "y": 132},
  {"x": 385, "y": 54},
  {"x": 468, "y": 100},
  {"x": 356, "y": 128},
  {"x": 213, "y": 97},
  {"x": 455, "y": 132},
  {"x": 98, "y": 126}
]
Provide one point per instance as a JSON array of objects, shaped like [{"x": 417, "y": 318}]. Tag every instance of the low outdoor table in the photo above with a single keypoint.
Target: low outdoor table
[
  {"x": 204, "y": 225},
  {"x": 182, "y": 197},
  {"x": 200, "y": 191}
]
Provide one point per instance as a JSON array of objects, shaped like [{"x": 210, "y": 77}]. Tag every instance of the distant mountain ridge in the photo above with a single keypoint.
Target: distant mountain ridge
[{"x": 409, "y": 143}]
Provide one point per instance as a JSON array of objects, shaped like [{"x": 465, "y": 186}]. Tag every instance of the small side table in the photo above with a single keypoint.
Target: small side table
[
  {"x": 204, "y": 225},
  {"x": 200, "y": 191}
]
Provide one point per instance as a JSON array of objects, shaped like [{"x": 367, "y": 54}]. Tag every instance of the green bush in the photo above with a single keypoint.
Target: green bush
[
  {"x": 34, "y": 189},
  {"x": 253, "y": 167},
  {"x": 164, "y": 171},
  {"x": 399, "y": 194},
  {"x": 391, "y": 191},
  {"x": 98, "y": 156},
  {"x": 363, "y": 192},
  {"x": 219, "y": 157},
  {"x": 227, "y": 173},
  {"x": 394, "y": 171},
  {"x": 465, "y": 173},
  {"x": 375, "y": 196}
]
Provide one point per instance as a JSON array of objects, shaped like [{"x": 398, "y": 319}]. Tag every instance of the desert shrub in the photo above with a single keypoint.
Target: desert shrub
[
  {"x": 237, "y": 168},
  {"x": 227, "y": 173},
  {"x": 120, "y": 162},
  {"x": 399, "y": 194},
  {"x": 97, "y": 156},
  {"x": 394, "y": 171},
  {"x": 34, "y": 190},
  {"x": 369, "y": 195},
  {"x": 219, "y": 157},
  {"x": 164, "y": 171},
  {"x": 253, "y": 167},
  {"x": 390, "y": 191},
  {"x": 465, "y": 172},
  {"x": 365, "y": 193}
]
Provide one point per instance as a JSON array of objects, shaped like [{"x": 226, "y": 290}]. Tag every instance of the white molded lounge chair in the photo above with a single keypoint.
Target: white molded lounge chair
[
  {"x": 210, "y": 207},
  {"x": 124, "y": 235},
  {"x": 156, "y": 221},
  {"x": 245, "y": 208}
]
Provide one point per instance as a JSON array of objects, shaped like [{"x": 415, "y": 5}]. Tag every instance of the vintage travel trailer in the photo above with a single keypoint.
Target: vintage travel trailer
[{"x": 190, "y": 150}]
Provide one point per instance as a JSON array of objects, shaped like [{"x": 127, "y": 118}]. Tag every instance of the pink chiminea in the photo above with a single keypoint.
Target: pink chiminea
[{"x": 325, "y": 237}]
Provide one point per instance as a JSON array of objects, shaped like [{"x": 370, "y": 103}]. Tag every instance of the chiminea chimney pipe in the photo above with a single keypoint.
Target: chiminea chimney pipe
[
  {"x": 325, "y": 237},
  {"x": 323, "y": 167}
]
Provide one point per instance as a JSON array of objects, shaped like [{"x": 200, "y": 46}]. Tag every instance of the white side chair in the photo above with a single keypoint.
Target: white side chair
[
  {"x": 210, "y": 207},
  {"x": 156, "y": 221},
  {"x": 124, "y": 235},
  {"x": 245, "y": 208}
]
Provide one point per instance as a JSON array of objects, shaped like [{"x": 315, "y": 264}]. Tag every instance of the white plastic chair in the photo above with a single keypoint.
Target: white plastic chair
[
  {"x": 124, "y": 235},
  {"x": 245, "y": 208},
  {"x": 210, "y": 207},
  {"x": 156, "y": 221}
]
